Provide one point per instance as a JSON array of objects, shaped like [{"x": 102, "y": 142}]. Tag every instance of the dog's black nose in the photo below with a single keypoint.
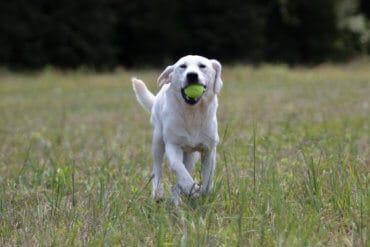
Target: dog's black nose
[{"x": 192, "y": 77}]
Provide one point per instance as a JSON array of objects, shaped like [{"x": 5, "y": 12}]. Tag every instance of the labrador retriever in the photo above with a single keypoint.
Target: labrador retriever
[{"x": 184, "y": 128}]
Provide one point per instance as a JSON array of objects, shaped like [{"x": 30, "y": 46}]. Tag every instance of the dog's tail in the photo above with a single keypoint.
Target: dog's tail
[{"x": 143, "y": 95}]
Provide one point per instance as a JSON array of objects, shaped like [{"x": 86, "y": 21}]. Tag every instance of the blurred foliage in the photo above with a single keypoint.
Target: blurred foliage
[{"x": 107, "y": 33}]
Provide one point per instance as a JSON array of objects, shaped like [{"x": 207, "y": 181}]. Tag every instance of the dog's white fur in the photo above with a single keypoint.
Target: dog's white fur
[{"x": 181, "y": 130}]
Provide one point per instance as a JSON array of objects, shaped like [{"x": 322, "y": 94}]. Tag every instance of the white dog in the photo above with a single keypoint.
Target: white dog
[{"x": 183, "y": 127}]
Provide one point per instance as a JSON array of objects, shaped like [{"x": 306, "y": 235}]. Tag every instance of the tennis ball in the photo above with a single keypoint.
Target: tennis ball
[{"x": 194, "y": 91}]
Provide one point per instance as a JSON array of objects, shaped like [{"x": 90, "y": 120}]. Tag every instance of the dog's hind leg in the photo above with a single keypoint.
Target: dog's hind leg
[
  {"x": 158, "y": 152},
  {"x": 190, "y": 159}
]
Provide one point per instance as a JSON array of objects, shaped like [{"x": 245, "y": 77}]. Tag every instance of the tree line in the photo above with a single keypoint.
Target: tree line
[{"x": 106, "y": 33}]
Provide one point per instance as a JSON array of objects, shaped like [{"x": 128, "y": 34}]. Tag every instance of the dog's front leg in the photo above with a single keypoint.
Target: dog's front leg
[
  {"x": 190, "y": 159},
  {"x": 185, "y": 182},
  {"x": 208, "y": 169}
]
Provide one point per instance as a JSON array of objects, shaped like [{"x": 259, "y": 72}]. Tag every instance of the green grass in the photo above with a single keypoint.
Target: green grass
[{"x": 293, "y": 164}]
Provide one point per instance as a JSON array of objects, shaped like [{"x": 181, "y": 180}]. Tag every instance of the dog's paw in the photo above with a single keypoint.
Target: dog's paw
[
  {"x": 176, "y": 196},
  {"x": 158, "y": 194},
  {"x": 195, "y": 191}
]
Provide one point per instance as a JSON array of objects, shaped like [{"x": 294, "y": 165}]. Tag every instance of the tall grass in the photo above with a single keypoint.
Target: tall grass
[{"x": 292, "y": 166}]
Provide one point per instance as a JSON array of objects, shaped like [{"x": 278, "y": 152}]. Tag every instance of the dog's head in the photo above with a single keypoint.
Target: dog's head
[{"x": 193, "y": 70}]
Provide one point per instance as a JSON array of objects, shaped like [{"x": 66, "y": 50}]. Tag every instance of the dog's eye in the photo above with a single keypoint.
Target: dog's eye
[
  {"x": 202, "y": 66},
  {"x": 183, "y": 66}
]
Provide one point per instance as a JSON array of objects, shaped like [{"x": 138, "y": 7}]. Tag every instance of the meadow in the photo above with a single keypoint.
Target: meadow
[{"x": 293, "y": 165}]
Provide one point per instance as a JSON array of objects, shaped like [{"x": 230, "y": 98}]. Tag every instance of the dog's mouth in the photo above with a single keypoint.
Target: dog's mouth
[{"x": 190, "y": 100}]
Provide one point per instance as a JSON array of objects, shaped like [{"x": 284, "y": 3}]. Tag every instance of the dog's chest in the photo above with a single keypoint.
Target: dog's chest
[
  {"x": 195, "y": 141},
  {"x": 196, "y": 138},
  {"x": 194, "y": 129}
]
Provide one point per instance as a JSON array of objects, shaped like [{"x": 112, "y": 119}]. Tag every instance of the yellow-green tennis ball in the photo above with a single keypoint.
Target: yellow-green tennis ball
[{"x": 194, "y": 91}]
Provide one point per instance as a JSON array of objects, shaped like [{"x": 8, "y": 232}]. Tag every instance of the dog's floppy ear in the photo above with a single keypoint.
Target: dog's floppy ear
[
  {"x": 218, "y": 81},
  {"x": 165, "y": 76}
]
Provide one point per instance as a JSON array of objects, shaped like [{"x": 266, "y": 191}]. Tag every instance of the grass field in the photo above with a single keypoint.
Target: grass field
[{"x": 293, "y": 164}]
